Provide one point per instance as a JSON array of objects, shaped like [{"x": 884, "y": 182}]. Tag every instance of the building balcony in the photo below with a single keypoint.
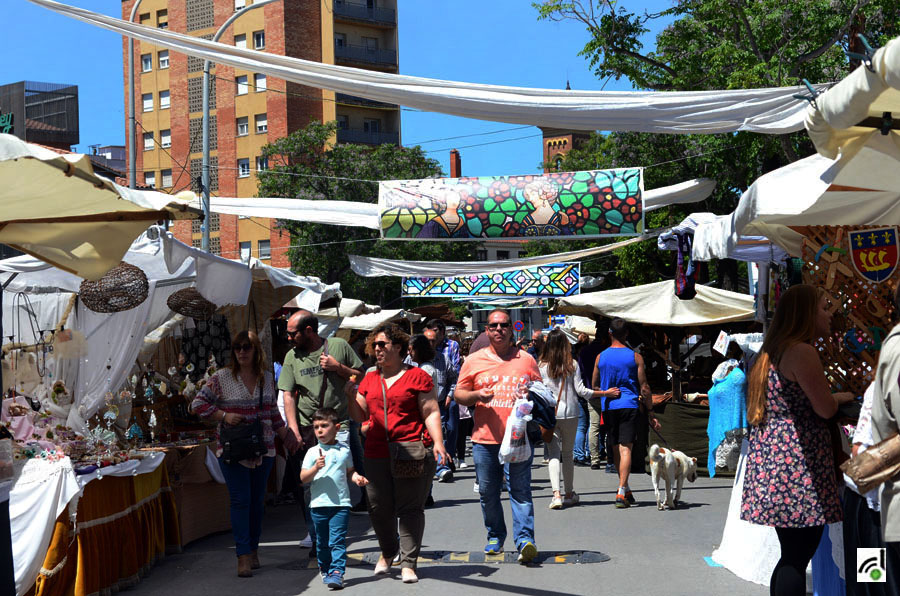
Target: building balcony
[
  {"x": 364, "y": 137},
  {"x": 365, "y": 55},
  {"x": 360, "y": 11},
  {"x": 353, "y": 100}
]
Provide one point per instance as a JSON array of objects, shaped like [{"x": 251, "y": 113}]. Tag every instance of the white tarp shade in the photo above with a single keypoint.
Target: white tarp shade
[
  {"x": 656, "y": 304},
  {"x": 368, "y": 322},
  {"x": 771, "y": 111},
  {"x": 862, "y": 94},
  {"x": 54, "y": 207},
  {"x": 861, "y": 187},
  {"x": 753, "y": 249},
  {"x": 366, "y": 215},
  {"x": 376, "y": 267}
]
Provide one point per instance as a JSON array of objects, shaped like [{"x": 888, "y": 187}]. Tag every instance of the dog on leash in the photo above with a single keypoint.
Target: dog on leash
[{"x": 673, "y": 467}]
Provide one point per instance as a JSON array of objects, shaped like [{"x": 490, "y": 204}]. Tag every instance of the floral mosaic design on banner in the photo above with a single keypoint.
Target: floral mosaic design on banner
[
  {"x": 551, "y": 281},
  {"x": 590, "y": 204}
]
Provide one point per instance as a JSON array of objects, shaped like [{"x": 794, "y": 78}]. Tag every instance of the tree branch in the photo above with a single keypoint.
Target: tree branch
[
  {"x": 803, "y": 58},
  {"x": 749, "y": 31},
  {"x": 645, "y": 59}
]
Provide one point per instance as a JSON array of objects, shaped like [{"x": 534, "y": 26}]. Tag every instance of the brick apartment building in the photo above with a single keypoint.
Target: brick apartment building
[{"x": 247, "y": 109}]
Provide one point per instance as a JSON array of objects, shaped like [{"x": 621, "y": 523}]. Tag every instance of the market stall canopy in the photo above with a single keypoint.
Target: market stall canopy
[
  {"x": 656, "y": 304},
  {"x": 770, "y": 111},
  {"x": 753, "y": 249},
  {"x": 370, "y": 321},
  {"x": 858, "y": 188},
  {"x": 338, "y": 307},
  {"x": 845, "y": 116},
  {"x": 54, "y": 207}
]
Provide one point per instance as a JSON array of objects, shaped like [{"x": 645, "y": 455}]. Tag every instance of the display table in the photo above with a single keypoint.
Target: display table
[
  {"x": 201, "y": 499},
  {"x": 123, "y": 522}
]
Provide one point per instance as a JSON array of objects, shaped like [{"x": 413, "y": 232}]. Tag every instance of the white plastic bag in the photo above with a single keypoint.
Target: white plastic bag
[{"x": 515, "y": 446}]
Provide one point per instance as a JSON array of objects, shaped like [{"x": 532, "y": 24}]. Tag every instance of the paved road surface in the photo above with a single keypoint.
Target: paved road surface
[{"x": 651, "y": 552}]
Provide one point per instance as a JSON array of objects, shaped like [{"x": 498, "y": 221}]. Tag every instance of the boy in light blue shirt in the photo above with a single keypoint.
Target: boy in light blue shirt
[{"x": 327, "y": 466}]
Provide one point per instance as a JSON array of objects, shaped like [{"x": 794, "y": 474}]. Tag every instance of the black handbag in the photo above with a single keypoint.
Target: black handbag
[{"x": 244, "y": 441}]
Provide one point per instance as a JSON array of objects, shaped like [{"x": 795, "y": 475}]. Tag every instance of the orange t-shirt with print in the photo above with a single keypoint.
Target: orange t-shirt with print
[{"x": 485, "y": 369}]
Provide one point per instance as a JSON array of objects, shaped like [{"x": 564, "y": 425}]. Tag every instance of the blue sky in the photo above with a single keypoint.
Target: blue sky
[{"x": 481, "y": 41}]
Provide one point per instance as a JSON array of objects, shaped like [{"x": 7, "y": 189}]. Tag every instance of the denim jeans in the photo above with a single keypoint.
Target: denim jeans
[
  {"x": 450, "y": 424},
  {"x": 490, "y": 473},
  {"x": 331, "y": 524},
  {"x": 581, "y": 449},
  {"x": 247, "y": 492}
]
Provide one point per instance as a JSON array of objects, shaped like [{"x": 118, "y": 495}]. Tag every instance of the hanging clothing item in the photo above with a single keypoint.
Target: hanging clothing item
[{"x": 685, "y": 270}]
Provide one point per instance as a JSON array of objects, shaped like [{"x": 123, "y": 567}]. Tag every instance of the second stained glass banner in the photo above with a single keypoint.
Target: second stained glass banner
[{"x": 546, "y": 281}]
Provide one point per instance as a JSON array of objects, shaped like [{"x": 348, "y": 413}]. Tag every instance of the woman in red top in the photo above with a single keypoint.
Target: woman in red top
[{"x": 412, "y": 415}]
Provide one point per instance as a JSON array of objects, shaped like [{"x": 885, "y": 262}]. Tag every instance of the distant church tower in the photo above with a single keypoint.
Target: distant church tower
[{"x": 557, "y": 142}]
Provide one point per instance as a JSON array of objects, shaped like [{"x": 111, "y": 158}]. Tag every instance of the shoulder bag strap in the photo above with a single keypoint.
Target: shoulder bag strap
[
  {"x": 324, "y": 379},
  {"x": 384, "y": 398},
  {"x": 562, "y": 393}
]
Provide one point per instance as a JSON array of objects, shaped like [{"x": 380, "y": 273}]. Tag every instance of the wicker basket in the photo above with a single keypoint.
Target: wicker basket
[
  {"x": 122, "y": 288},
  {"x": 190, "y": 303}
]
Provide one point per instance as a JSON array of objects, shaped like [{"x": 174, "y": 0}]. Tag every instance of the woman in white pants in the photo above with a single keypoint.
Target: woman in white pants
[{"x": 560, "y": 375}]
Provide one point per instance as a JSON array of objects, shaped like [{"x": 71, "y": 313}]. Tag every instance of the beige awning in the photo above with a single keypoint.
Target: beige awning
[{"x": 54, "y": 207}]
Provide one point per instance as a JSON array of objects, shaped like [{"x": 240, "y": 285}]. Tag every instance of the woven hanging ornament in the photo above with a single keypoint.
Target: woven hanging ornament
[
  {"x": 190, "y": 303},
  {"x": 122, "y": 288}
]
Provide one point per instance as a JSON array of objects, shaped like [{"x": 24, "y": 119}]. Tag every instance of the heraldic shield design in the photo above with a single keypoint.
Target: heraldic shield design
[{"x": 874, "y": 252}]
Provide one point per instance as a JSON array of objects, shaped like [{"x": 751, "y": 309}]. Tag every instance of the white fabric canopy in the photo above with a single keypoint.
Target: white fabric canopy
[
  {"x": 771, "y": 111},
  {"x": 376, "y": 267},
  {"x": 753, "y": 249},
  {"x": 366, "y": 215},
  {"x": 861, "y": 187},
  {"x": 54, "y": 207},
  {"x": 656, "y": 304},
  {"x": 862, "y": 94},
  {"x": 368, "y": 322}
]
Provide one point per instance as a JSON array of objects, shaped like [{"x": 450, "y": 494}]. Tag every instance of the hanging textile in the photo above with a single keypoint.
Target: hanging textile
[
  {"x": 583, "y": 204},
  {"x": 547, "y": 281},
  {"x": 769, "y": 111}
]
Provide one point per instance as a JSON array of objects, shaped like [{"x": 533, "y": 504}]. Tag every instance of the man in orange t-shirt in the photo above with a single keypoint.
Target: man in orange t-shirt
[{"x": 490, "y": 380}]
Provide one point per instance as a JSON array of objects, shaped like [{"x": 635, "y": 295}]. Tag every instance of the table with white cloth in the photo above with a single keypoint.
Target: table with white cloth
[{"x": 92, "y": 533}]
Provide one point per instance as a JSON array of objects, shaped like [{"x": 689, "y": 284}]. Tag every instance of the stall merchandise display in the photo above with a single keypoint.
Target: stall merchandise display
[{"x": 122, "y": 288}]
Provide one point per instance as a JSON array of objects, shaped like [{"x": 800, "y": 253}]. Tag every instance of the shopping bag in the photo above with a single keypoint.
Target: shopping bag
[{"x": 515, "y": 446}]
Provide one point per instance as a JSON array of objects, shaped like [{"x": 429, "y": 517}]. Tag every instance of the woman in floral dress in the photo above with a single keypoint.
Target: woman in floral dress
[{"x": 790, "y": 481}]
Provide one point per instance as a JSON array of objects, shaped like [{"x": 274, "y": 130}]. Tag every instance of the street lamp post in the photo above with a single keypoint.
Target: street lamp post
[
  {"x": 204, "y": 170},
  {"x": 132, "y": 150}
]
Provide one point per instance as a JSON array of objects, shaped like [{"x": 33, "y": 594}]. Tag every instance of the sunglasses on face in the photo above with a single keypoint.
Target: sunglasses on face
[
  {"x": 498, "y": 325},
  {"x": 243, "y": 347},
  {"x": 381, "y": 344}
]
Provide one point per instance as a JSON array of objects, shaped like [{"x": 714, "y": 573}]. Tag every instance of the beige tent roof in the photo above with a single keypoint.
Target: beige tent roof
[
  {"x": 54, "y": 207},
  {"x": 656, "y": 304}
]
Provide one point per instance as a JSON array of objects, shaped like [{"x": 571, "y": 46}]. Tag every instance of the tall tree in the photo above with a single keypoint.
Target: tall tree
[{"x": 307, "y": 165}]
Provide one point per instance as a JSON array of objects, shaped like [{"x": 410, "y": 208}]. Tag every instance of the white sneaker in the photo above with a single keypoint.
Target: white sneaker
[
  {"x": 573, "y": 500},
  {"x": 306, "y": 542},
  {"x": 556, "y": 503},
  {"x": 461, "y": 465},
  {"x": 475, "y": 489}
]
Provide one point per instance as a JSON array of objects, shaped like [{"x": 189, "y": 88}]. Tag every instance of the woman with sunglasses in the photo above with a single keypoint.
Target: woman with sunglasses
[
  {"x": 397, "y": 505},
  {"x": 231, "y": 397}
]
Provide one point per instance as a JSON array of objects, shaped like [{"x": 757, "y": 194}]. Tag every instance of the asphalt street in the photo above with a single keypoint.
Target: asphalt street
[{"x": 650, "y": 552}]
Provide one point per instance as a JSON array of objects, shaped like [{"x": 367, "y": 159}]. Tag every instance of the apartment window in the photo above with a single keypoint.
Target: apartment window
[
  {"x": 259, "y": 40},
  {"x": 144, "y": 19},
  {"x": 166, "y": 178},
  {"x": 261, "y": 122},
  {"x": 371, "y": 125},
  {"x": 343, "y": 121},
  {"x": 340, "y": 40},
  {"x": 146, "y": 62},
  {"x": 162, "y": 19},
  {"x": 243, "y": 168},
  {"x": 262, "y": 163},
  {"x": 264, "y": 249},
  {"x": 502, "y": 255},
  {"x": 259, "y": 81},
  {"x": 150, "y": 179},
  {"x": 243, "y": 126},
  {"x": 163, "y": 59},
  {"x": 147, "y": 101},
  {"x": 164, "y": 99},
  {"x": 371, "y": 43},
  {"x": 240, "y": 41},
  {"x": 165, "y": 138},
  {"x": 148, "y": 141},
  {"x": 239, "y": 4},
  {"x": 241, "y": 85},
  {"x": 245, "y": 252}
]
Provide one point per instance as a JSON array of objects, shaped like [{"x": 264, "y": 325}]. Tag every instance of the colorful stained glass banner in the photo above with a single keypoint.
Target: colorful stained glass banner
[
  {"x": 592, "y": 204},
  {"x": 545, "y": 281}
]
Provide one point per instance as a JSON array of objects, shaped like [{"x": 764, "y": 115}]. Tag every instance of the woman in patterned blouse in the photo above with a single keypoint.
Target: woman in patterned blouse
[{"x": 232, "y": 396}]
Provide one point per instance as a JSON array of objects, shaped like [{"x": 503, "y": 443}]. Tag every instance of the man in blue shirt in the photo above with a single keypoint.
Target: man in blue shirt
[
  {"x": 436, "y": 332},
  {"x": 619, "y": 375}
]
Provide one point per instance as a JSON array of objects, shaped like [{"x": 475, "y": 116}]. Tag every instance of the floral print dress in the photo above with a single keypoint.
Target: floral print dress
[{"x": 789, "y": 481}]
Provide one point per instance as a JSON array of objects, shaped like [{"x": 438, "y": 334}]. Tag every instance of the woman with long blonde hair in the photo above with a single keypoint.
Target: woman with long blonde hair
[{"x": 789, "y": 483}]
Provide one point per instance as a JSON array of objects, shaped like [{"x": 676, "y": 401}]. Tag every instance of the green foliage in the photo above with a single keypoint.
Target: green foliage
[{"x": 306, "y": 165}]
